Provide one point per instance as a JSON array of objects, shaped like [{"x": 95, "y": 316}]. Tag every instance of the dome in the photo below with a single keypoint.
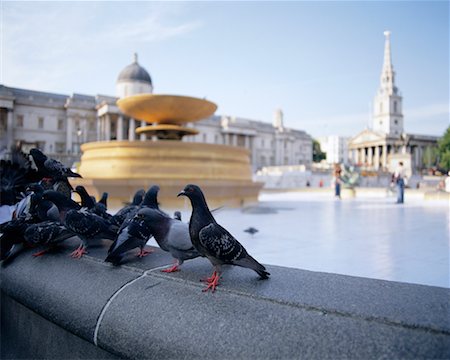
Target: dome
[{"x": 134, "y": 72}]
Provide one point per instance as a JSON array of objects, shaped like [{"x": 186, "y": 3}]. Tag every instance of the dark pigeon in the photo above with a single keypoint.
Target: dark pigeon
[
  {"x": 214, "y": 242},
  {"x": 62, "y": 202},
  {"x": 101, "y": 209},
  {"x": 48, "y": 233},
  {"x": 51, "y": 168},
  {"x": 86, "y": 200},
  {"x": 177, "y": 215},
  {"x": 55, "y": 175},
  {"x": 135, "y": 234},
  {"x": 150, "y": 201},
  {"x": 11, "y": 238},
  {"x": 122, "y": 214},
  {"x": 90, "y": 228},
  {"x": 16, "y": 174},
  {"x": 251, "y": 230}
]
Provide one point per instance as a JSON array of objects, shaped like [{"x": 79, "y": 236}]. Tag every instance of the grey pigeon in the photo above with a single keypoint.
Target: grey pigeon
[
  {"x": 214, "y": 242},
  {"x": 171, "y": 235}
]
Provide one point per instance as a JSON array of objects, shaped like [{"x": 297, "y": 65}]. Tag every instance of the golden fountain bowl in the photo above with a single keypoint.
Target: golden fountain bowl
[{"x": 166, "y": 109}]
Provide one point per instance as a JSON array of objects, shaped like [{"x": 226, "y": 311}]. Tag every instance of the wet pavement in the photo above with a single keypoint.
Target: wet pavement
[{"x": 368, "y": 237}]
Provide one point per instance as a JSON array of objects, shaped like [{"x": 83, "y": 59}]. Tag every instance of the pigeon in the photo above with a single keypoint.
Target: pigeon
[
  {"x": 50, "y": 167},
  {"x": 15, "y": 175},
  {"x": 89, "y": 227},
  {"x": 135, "y": 234},
  {"x": 122, "y": 214},
  {"x": 150, "y": 201},
  {"x": 171, "y": 235},
  {"x": 63, "y": 203},
  {"x": 53, "y": 172},
  {"x": 177, "y": 215},
  {"x": 49, "y": 233},
  {"x": 251, "y": 230},
  {"x": 11, "y": 238},
  {"x": 215, "y": 242},
  {"x": 101, "y": 208},
  {"x": 86, "y": 200}
]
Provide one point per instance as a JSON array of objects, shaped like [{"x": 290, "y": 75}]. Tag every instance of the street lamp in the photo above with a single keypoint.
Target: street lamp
[{"x": 79, "y": 133}]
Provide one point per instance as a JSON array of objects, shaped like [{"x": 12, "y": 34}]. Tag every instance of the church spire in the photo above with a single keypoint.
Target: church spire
[{"x": 387, "y": 73}]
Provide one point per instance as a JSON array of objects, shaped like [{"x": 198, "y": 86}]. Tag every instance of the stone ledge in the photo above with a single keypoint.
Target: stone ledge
[{"x": 135, "y": 311}]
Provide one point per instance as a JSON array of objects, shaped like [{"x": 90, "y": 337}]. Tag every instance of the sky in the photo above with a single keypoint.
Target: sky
[{"x": 320, "y": 62}]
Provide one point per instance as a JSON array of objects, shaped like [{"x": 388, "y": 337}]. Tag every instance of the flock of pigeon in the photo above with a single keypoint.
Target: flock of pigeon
[{"x": 38, "y": 190}]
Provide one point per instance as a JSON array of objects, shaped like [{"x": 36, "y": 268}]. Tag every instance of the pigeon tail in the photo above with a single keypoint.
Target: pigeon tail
[{"x": 250, "y": 263}]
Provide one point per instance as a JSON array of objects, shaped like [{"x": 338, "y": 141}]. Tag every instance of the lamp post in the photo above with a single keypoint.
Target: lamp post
[{"x": 79, "y": 133}]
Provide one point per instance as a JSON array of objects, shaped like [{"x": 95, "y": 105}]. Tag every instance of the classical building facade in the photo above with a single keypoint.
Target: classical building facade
[
  {"x": 375, "y": 148},
  {"x": 59, "y": 124},
  {"x": 335, "y": 147}
]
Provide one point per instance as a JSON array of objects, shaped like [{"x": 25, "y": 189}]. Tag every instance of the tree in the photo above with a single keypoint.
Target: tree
[
  {"x": 444, "y": 150},
  {"x": 430, "y": 156},
  {"x": 318, "y": 154}
]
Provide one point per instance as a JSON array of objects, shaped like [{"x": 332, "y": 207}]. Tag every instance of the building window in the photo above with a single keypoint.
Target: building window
[
  {"x": 381, "y": 107},
  {"x": 91, "y": 125},
  {"x": 19, "y": 121},
  {"x": 396, "y": 122},
  {"x": 40, "y": 122},
  {"x": 395, "y": 106},
  {"x": 60, "y": 124}
]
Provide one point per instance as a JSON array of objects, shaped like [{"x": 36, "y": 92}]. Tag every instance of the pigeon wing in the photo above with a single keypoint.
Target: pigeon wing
[{"x": 219, "y": 243}]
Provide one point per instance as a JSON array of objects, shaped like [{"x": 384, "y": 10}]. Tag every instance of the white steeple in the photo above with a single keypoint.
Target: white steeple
[{"x": 388, "y": 116}]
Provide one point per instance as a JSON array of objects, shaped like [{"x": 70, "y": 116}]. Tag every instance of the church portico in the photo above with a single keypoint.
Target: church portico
[{"x": 386, "y": 139}]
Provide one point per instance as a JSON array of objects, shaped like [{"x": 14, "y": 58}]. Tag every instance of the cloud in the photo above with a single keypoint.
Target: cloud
[{"x": 45, "y": 43}]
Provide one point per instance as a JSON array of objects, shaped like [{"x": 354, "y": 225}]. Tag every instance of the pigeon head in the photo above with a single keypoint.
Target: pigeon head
[
  {"x": 59, "y": 199},
  {"x": 138, "y": 197},
  {"x": 147, "y": 214},
  {"x": 191, "y": 191},
  {"x": 150, "y": 198}
]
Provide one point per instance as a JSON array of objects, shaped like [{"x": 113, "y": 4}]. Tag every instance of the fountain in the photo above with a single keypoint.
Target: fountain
[{"x": 122, "y": 167}]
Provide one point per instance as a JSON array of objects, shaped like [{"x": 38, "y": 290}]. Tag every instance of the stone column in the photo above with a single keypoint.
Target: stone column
[
  {"x": 363, "y": 156},
  {"x": 9, "y": 128},
  {"x": 107, "y": 127},
  {"x": 377, "y": 157},
  {"x": 142, "y": 137},
  {"x": 69, "y": 131},
  {"x": 384, "y": 156},
  {"x": 119, "y": 129},
  {"x": 85, "y": 129},
  {"x": 99, "y": 129},
  {"x": 131, "y": 130},
  {"x": 370, "y": 156}
]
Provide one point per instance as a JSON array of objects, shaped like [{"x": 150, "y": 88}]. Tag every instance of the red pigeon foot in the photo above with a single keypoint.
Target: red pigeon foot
[{"x": 79, "y": 252}]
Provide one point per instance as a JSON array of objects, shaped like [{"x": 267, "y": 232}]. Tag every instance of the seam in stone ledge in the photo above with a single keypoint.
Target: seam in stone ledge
[{"x": 113, "y": 296}]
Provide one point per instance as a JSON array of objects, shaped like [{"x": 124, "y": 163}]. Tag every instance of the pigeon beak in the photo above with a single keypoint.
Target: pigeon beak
[{"x": 181, "y": 193}]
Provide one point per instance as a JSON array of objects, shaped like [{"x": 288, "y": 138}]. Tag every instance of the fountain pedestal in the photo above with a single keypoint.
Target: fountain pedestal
[{"x": 122, "y": 167}]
